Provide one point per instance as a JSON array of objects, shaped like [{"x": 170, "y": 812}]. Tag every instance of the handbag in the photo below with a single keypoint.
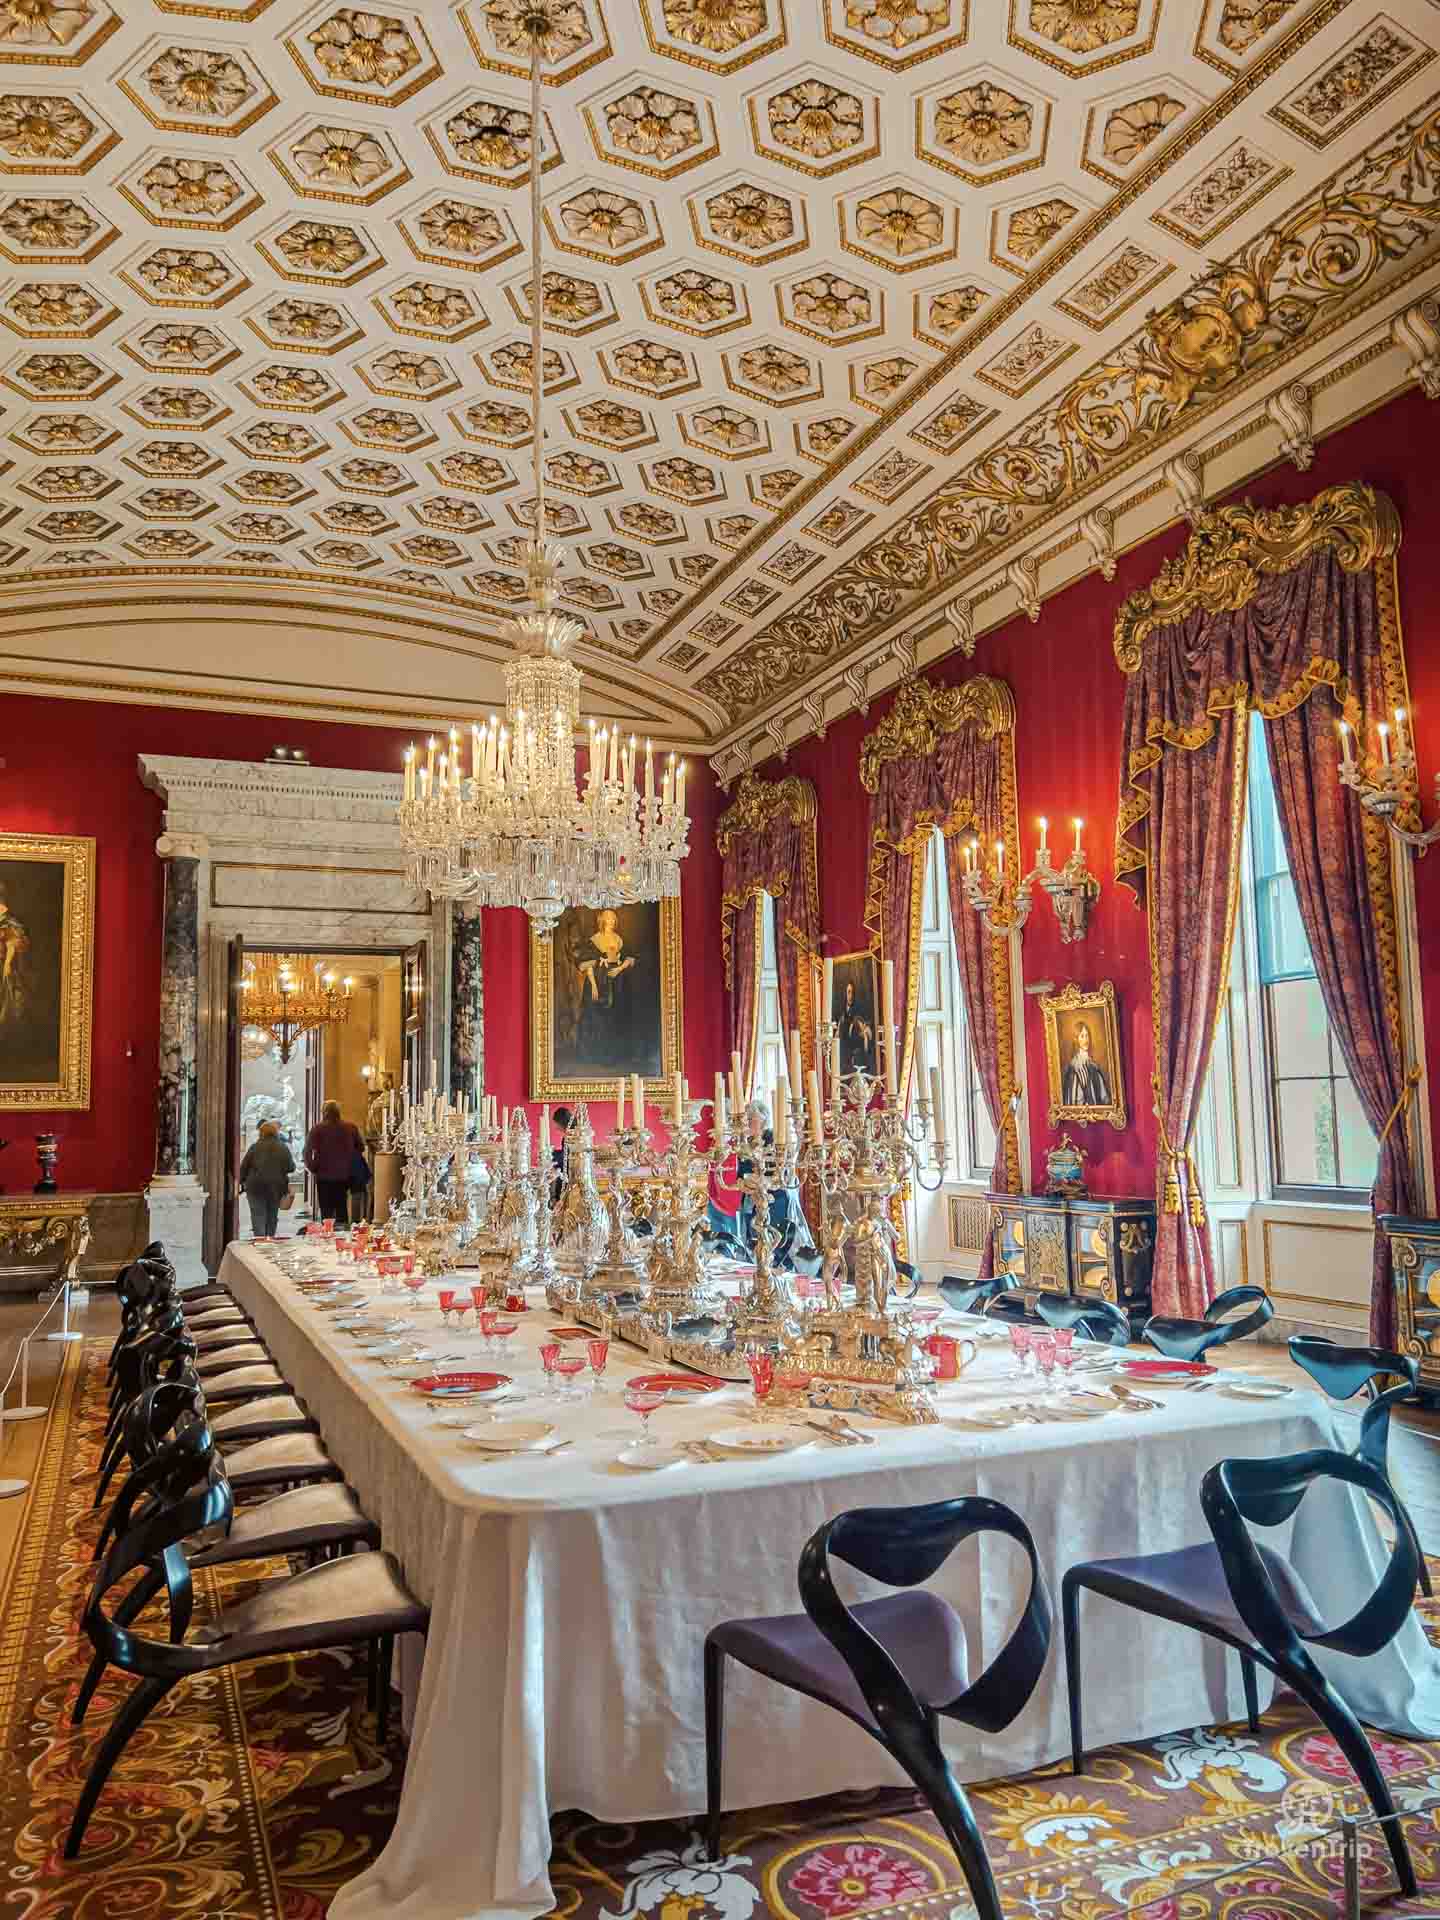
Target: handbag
[
  {"x": 359, "y": 1172},
  {"x": 286, "y": 1200}
]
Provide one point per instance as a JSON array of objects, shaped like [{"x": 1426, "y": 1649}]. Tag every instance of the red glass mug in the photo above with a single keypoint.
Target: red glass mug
[{"x": 944, "y": 1348}]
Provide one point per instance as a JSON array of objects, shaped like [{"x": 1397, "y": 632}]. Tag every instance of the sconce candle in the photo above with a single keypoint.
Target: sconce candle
[
  {"x": 1347, "y": 750},
  {"x": 1384, "y": 733},
  {"x": 1078, "y": 825},
  {"x": 1044, "y": 835}
]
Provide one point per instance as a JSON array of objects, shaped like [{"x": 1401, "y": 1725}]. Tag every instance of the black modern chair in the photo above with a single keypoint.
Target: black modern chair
[
  {"x": 358, "y": 1600},
  {"x": 970, "y": 1296},
  {"x": 150, "y": 1419},
  {"x": 1190, "y": 1339},
  {"x": 1248, "y": 1597},
  {"x": 1012, "y": 1305},
  {"x": 1342, "y": 1372},
  {"x": 896, "y": 1665},
  {"x": 1098, "y": 1320}
]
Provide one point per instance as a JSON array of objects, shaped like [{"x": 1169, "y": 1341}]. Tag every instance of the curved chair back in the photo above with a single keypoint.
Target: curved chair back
[
  {"x": 1238, "y": 1494},
  {"x": 1342, "y": 1372},
  {"x": 1099, "y": 1320},
  {"x": 969, "y": 1296},
  {"x": 1181, "y": 1339},
  {"x": 1011, "y": 1305},
  {"x": 902, "y": 1546}
]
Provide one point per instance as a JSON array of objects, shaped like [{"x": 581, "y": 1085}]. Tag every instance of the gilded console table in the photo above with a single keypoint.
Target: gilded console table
[
  {"x": 1415, "y": 1276},
  {"x": 1092, "y": 1248},
  {"x": 42, "y": 1238}
]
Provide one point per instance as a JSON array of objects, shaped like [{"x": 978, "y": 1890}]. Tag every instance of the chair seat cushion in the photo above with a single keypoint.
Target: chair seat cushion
[
  {"x": 215, "y": 1322},
  {"x": 1191, "y": 1582},
  {"x": 326, "y": 1515},
  {"x": 251, "y": 1354},
  {"x": 361, "y": 1597},
  {"x": 922, "y": 1633},
  {"x": 281, "y": 1457},
  {"x": 218, "y": 1339},
  {"x": 246, "y": 1383},
  {"x": 253, "y": 1420}
]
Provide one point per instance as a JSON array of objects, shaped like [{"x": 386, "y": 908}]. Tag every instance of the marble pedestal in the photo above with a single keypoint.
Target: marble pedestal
[{"x": 177, "y": 1220}]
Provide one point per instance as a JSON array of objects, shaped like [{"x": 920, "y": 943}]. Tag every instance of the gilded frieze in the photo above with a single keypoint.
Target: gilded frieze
[{"x": 1378, "y": 216}]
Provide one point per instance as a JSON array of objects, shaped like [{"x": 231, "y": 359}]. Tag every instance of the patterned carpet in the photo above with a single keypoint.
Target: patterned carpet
[{"x": 254, "y": 1796}]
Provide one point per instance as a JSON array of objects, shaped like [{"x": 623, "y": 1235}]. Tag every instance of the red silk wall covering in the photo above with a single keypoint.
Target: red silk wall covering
[
  {"x": 70, "y": 767},
  {"x": 1068, "y": 695}
]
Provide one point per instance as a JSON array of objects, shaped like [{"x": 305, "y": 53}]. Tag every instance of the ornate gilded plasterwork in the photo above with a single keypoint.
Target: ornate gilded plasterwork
[{"x": 1377, "y": 216}]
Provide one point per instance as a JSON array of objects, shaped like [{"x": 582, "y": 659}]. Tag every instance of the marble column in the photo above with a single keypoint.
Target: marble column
[
  {"x": 175, "y": 1197},
  {"x": 467, "y": 1002}
]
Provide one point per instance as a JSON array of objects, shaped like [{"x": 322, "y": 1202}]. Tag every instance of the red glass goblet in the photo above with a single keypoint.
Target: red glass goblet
[{"x": 644, "y": 1403}]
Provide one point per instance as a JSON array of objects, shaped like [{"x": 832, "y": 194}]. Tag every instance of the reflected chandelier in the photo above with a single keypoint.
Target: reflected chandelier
[
  {"x": 516, "y": 828},
  {"x": 286, "y": 996}
]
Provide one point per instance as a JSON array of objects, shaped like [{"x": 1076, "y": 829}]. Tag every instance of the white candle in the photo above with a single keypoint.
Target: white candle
[
  {"x": 1000, "y": 858},
  {"x": 717, "y": 1119},
  {"x": 835, "y": 1064},
  {"x": 649, "y": 776},
  {"x": 796, "y": 1082},
  {"x": 1078, "y": 825},
  {"x": 812, "y": 1088},
  {"x": 679, "y": 1100},
  {"x": 410, "y": 773},
  {"x": 505, "y": 1127},
  {"x": 544, "y": 1129},
  {"x": 887, "y": 992},
  {"x": 620, "y": 1105},
  {"x": 1384, "y": 733},
  {"x": 891, "y": 1067},
  {"x": 782, "y": 1118},
  {"x": 1044, "y": 834},
  {"x": 737, "y": 1078},
  {"x": 827, "y": 992},
  {"x": 937, "y": 1106},
  {"x": 1347, "y": 753}
]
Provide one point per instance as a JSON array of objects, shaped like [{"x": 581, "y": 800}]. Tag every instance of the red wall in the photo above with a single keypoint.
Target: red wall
[
  {"x": 69, "y": 766},
  {"x": 1069, "y": 695}
]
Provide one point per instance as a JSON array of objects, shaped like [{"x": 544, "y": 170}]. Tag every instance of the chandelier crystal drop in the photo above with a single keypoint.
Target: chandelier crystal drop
[{"x": 504, "y": 818}]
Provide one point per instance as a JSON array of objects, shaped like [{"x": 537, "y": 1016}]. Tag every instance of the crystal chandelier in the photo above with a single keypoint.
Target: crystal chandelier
[
  {"x": 286, "y": 996},
  {"x": 509, "y": 823}
]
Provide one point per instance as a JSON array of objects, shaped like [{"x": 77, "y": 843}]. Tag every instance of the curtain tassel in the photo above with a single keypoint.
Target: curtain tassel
[{"x": 1402, "y": 1105}]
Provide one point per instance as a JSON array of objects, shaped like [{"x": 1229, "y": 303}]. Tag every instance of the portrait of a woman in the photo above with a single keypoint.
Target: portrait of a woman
[{"x": 606, "y": 993}]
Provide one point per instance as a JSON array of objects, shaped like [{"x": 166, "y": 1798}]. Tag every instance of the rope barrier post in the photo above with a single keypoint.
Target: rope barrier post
[
  {"x": 24, "y": 1411},
  {"x": 8, "y": 1487},
  {"x": 64, "y": 1331}
]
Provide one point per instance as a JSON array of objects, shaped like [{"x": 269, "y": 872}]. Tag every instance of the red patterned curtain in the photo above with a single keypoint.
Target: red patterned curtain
[
  {"x": 1288, "y": 612},
  {"x": 767, "y": 842},
  {"x": 945, "y": 757}
]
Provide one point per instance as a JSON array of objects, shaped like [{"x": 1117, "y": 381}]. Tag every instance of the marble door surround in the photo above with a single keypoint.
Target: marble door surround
[{"x": 287, "y": 857}]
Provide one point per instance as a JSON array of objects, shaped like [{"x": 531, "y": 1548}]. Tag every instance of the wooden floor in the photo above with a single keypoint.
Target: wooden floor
[{"x": 1414, "y": 1434}]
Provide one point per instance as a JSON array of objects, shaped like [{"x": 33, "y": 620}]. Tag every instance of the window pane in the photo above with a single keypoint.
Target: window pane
[
  {"x": 1305, "y": 1114},
  {"x": 1299, "y": 1030},
  {"x": 982, "y": 1134},
  {"x": 1358, "y": 1151},
  {"x": 1280, "y": 932},
  {"x": 767, "y": 934}
]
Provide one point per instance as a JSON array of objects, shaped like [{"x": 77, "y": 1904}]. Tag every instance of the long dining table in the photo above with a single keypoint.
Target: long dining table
[{"x": 570, "y": 1594}]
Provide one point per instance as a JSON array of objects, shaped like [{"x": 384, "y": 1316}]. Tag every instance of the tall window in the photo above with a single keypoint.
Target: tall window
[
  {"x": 770, "y": 1050},
  {"x": 942, "y": 1037},
  {"x": 1321, "y": 1146}
]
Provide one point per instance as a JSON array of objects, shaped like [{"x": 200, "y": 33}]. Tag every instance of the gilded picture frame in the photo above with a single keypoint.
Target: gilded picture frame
[
  {"x": 47, "y": 969},
  {"x": 1082, "y": 1056},
  {"x": 854, "y": 1010},
  {"x": 606, "y": 1000}
]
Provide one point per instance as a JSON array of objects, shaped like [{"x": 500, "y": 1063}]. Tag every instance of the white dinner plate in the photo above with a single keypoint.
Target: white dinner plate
[
  {"x": 759, "y": 1440},
  {"x": 356, "y": 1323},
  {"x": 988, "y": 1418},
  {"x": 512, "y": 1436},
  {"x": 650, "y": 1459},
  {"x": 1257, "y": 1389},
  {"x": 463, "y": 1421},
  {"x": 1081, "y": 1406}
]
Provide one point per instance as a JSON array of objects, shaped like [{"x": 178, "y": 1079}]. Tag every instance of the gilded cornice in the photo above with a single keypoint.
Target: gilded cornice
[
  {"x": 923, "y": 711},
  {"x": 1283, "y": 290},
  {"x": 759, "y": 803},
  {"x": 1233, "y": 547}
]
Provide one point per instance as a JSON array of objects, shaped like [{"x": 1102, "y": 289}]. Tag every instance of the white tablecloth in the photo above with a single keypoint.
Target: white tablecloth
[{"x": 570, "y": 1597}]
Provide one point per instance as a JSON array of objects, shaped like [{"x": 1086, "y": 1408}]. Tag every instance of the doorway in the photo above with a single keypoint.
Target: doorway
[{"x": 351, "y": 1060}]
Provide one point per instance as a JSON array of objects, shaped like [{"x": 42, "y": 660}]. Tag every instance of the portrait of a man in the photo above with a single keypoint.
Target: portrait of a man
[
  {"x": 853, "y": 1012},
  {"x": 1084, "y": 1083},
  {"x": 45, "y": 899},
  {"x": 602, "y": 992},
  {"x": 1082, "y": 1052}
]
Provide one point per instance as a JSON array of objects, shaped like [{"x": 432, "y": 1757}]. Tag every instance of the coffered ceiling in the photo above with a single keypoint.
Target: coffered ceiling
[{"x": 841, "y": 295}]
